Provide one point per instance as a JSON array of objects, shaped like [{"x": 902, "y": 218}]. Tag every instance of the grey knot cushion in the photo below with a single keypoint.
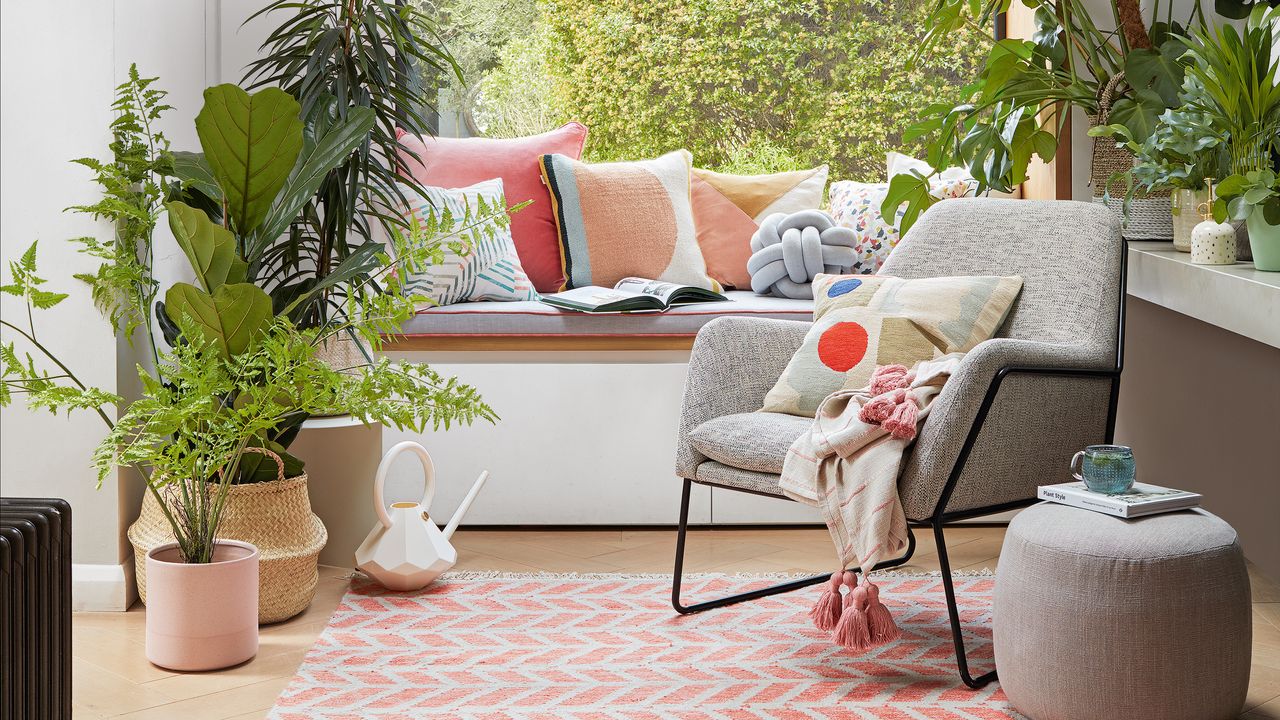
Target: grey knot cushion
[
  {"x": 789, "y": 250},
  {"x": 1100, "y": 617}
]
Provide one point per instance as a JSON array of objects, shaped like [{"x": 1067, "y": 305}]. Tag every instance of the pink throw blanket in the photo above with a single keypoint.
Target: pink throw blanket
[{"x": 847, "y": 465}]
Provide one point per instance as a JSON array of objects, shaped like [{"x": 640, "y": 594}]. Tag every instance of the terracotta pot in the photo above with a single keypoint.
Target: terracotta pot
[{"x": 202, "y": 616}]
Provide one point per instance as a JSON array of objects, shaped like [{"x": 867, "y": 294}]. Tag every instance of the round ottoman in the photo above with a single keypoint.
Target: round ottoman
[{"x": 1100, "y": 617}]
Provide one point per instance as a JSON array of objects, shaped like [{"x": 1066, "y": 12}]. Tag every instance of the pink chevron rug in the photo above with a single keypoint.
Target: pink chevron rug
[{"x": 609, "y": 647}]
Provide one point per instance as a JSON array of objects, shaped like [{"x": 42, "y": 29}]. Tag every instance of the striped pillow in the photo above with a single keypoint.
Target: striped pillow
[
  {"x": 626, "y": 219},
  {"x": 489, "y": 269}
]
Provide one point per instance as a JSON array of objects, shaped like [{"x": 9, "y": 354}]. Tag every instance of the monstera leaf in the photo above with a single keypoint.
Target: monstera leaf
[
  {"x": 1157, "y": 70},
  {"x": 210, "y": 248},
  {"x": 1138, "y": 114},
  {"x": 231, "y": 318},
  {"x": 251, "y": 143}
]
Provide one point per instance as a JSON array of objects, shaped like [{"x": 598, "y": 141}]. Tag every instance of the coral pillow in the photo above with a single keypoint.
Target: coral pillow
[
  {"x": 861, "y": 321},
  {"x": 460, "y": 162},
  {"x": 724, "y": 235},
  {"x": 626, "y": 219}
]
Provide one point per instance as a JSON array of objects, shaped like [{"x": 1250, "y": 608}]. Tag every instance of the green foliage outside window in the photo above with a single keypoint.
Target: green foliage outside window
[{"x": 746, "y": 85}]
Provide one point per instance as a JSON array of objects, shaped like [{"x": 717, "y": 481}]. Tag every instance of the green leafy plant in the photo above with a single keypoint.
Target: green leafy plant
[
  {"x": 237, "y": 376},
  {"x": 345, "y": 61},
  {"x": 1240, "y": 195},
  {"x": 1017, "y": 106}
]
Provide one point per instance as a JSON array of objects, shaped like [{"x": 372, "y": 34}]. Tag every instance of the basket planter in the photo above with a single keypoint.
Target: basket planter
[
  {"x": 275, "y": 517},
  {"x": 202, "y": 616},
  {"x": 1150, "y": 214}
]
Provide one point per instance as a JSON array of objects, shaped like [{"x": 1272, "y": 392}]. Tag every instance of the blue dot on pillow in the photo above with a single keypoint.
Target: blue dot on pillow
[{"x": 841, "y": 287}]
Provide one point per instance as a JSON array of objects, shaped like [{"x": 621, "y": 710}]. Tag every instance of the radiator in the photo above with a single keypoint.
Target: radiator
[{"x": 35, "y": 609}]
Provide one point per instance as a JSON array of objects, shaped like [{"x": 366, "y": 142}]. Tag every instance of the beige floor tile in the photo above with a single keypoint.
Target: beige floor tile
[
  {"x": 259, "y": 696},
  {"x": 1265, "y": 589},
  {"x": 1269, "y": 710},
  {"x": 98, "y": 692},
  {"x": 184, "y": 686}
]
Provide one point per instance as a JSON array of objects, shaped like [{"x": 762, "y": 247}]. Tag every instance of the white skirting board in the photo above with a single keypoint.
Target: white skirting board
[{"x": 103, "y": 588}]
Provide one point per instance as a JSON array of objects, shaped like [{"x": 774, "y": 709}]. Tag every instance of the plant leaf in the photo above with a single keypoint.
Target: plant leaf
[
  {"x": 911, "y": 189},
  {"x": 232, "y": 318},
  {"x": 251, "y": 143},
  {"x": 194, "y": 172},
  {"x": 1139, "y": 114},
  {"x": 1157, "y": 70},
  {"x": 210, "y": 248},
  {"x": 329, "y": 151}
]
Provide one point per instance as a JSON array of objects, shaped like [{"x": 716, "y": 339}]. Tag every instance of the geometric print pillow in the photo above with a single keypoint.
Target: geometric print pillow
[
  {"x": 489, "y": 269},
  {"x": 861, "y": 321}
]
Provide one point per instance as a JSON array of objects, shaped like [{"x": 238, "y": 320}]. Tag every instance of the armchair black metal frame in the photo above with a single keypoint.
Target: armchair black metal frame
[{"x": 940, "y": 516}]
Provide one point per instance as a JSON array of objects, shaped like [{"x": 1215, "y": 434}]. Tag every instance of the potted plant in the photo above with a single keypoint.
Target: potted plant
[
  {"x": 1254, "y": 198},
  {"x": 1017, "y": 106},
  {"x": 1183, "y": 154},
  {"x": 236, "y": 368}
]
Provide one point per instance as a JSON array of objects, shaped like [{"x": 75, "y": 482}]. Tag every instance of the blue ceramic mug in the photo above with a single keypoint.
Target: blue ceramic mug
[{"x": 1107, "y": 469}]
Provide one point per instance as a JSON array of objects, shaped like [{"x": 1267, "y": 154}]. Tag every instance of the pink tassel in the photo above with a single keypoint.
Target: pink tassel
[
  {"x": 887, "y": 378},
  {"x": 852, "y": 631},
  {"x": 878, "y": 409},
  {"x": 902, "y": 423},
  {"x": 826, "y": 612},
  {"x": 879, "y": 620}
]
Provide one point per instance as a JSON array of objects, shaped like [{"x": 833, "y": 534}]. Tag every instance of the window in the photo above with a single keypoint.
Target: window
[{"x": 746, "y": 85}]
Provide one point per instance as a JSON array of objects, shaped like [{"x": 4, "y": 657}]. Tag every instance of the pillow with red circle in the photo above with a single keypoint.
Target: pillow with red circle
[{"x": 864, "y": 321}]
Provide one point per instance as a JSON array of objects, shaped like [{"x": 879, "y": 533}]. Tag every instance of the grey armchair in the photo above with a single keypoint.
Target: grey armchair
[{"x": 1007, "y": 421}]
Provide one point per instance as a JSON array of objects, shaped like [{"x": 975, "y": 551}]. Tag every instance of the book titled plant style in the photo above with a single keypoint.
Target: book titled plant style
[{"x": 1142, "y": 499}]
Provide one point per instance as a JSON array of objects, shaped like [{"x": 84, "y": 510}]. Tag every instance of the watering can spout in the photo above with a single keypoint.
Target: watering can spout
[{"x": 466, "y": 505}]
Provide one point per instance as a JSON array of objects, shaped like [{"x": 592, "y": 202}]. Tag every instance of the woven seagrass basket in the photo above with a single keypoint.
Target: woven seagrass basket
[
  {"x": 1150, "y": 215},
  {"x": 276, "y": 518}
]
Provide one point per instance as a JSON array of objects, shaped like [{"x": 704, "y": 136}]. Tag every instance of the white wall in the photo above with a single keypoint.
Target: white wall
[{"x": 60, "y": 61}]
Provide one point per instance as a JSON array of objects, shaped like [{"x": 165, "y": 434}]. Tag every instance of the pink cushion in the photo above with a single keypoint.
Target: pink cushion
[
  {"x": 724, "y": 234},
  {"x": 460, "y": 162}
]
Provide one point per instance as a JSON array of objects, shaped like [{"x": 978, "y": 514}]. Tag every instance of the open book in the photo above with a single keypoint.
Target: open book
[{"x": 631, "y": 295}]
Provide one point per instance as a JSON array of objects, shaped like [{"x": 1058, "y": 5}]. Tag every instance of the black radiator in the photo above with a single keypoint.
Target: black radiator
[{"x": 35, "y": 609}]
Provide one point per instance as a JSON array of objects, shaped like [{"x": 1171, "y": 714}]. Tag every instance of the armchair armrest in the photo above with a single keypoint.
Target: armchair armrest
[
  {"x": 1006, "y": 422},
  {"x": 734, "y": 363}
]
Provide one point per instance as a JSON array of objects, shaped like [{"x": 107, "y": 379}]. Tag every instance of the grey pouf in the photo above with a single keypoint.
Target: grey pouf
[{"x": 1099, "y": 617}]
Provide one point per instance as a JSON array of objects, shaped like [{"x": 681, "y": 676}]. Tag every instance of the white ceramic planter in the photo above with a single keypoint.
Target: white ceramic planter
[{"x": 202, "y": 616}]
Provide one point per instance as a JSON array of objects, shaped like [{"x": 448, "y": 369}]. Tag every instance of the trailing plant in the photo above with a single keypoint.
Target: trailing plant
[
  {"x": 343, "y": 60},
  {"x": 1017, "y": 106},
  {"x": 238, "y": 376}
]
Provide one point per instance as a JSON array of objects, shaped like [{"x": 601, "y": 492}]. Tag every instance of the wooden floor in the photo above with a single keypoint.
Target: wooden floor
[{"x": 113, "y": 679}]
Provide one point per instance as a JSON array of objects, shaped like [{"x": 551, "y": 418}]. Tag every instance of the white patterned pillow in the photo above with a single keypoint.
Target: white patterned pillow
[
  {"x": 490, "y": 270},
  {"x": 856, "y": 205}
]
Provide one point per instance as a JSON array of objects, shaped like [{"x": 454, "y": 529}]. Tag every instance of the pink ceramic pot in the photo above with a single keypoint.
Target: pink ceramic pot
[{"x": 202, "y": 616}]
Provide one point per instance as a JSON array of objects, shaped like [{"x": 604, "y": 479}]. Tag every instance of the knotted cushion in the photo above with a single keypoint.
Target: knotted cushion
[
  {"x": 1099, "y": 617},
  {"x": 789, "y": 250}
]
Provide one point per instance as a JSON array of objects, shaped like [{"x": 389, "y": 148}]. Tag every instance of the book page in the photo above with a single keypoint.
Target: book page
[
  {"x": 595, "y": 296},
  {"x": 655, "y": 288}
]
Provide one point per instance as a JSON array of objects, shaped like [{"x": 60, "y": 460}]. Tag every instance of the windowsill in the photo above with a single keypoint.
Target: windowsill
[{"x": 1233, "y": 297}]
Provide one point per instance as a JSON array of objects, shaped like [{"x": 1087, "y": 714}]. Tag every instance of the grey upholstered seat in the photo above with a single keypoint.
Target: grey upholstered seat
[
  {"x": 1069, "y": 256},
  {"x": 749, "y": 441}
]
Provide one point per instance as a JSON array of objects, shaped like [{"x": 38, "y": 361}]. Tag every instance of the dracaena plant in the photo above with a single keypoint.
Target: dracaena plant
[
  {"x": 342, "y": 59},
  {"x": 236, "y": 375},
  {"x": 1017, "y": 106}
]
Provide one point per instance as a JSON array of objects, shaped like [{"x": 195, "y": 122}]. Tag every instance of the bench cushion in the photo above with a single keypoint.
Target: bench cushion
[{"x": 533, "y": 319}]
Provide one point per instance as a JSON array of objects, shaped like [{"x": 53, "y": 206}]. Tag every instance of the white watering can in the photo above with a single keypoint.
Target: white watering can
[{"x": 405, "y": 550}]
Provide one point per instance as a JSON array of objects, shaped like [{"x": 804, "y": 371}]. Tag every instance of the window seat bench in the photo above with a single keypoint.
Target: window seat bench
[{"x": 531, "y": 325}]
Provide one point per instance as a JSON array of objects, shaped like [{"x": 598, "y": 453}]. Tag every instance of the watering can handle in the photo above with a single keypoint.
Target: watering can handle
[{"x": 379, "y": 482}]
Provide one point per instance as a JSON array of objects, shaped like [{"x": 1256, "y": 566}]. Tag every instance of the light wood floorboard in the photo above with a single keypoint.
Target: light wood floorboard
[{"x": 112, "y": 678}]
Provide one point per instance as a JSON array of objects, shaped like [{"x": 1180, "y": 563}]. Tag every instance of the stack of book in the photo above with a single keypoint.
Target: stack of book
[{"x": 1142, "y": 499}]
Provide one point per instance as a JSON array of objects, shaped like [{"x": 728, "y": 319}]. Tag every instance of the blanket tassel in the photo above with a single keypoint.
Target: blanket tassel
[
  {"x": 826, "y": 612},
  {"x": 853, "y": 631},
  {"x": 879, "y": 620}
]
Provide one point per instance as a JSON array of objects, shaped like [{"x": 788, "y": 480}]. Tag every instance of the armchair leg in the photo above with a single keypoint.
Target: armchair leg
[
  {"x": 752, "y": 594},
  {"x": 957, "y": 633}
]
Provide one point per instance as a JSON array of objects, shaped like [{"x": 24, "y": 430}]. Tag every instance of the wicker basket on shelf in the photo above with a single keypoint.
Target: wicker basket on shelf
[
  {"x": 1150, "y": 215},
  {"x": 276, "y": 518}
]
